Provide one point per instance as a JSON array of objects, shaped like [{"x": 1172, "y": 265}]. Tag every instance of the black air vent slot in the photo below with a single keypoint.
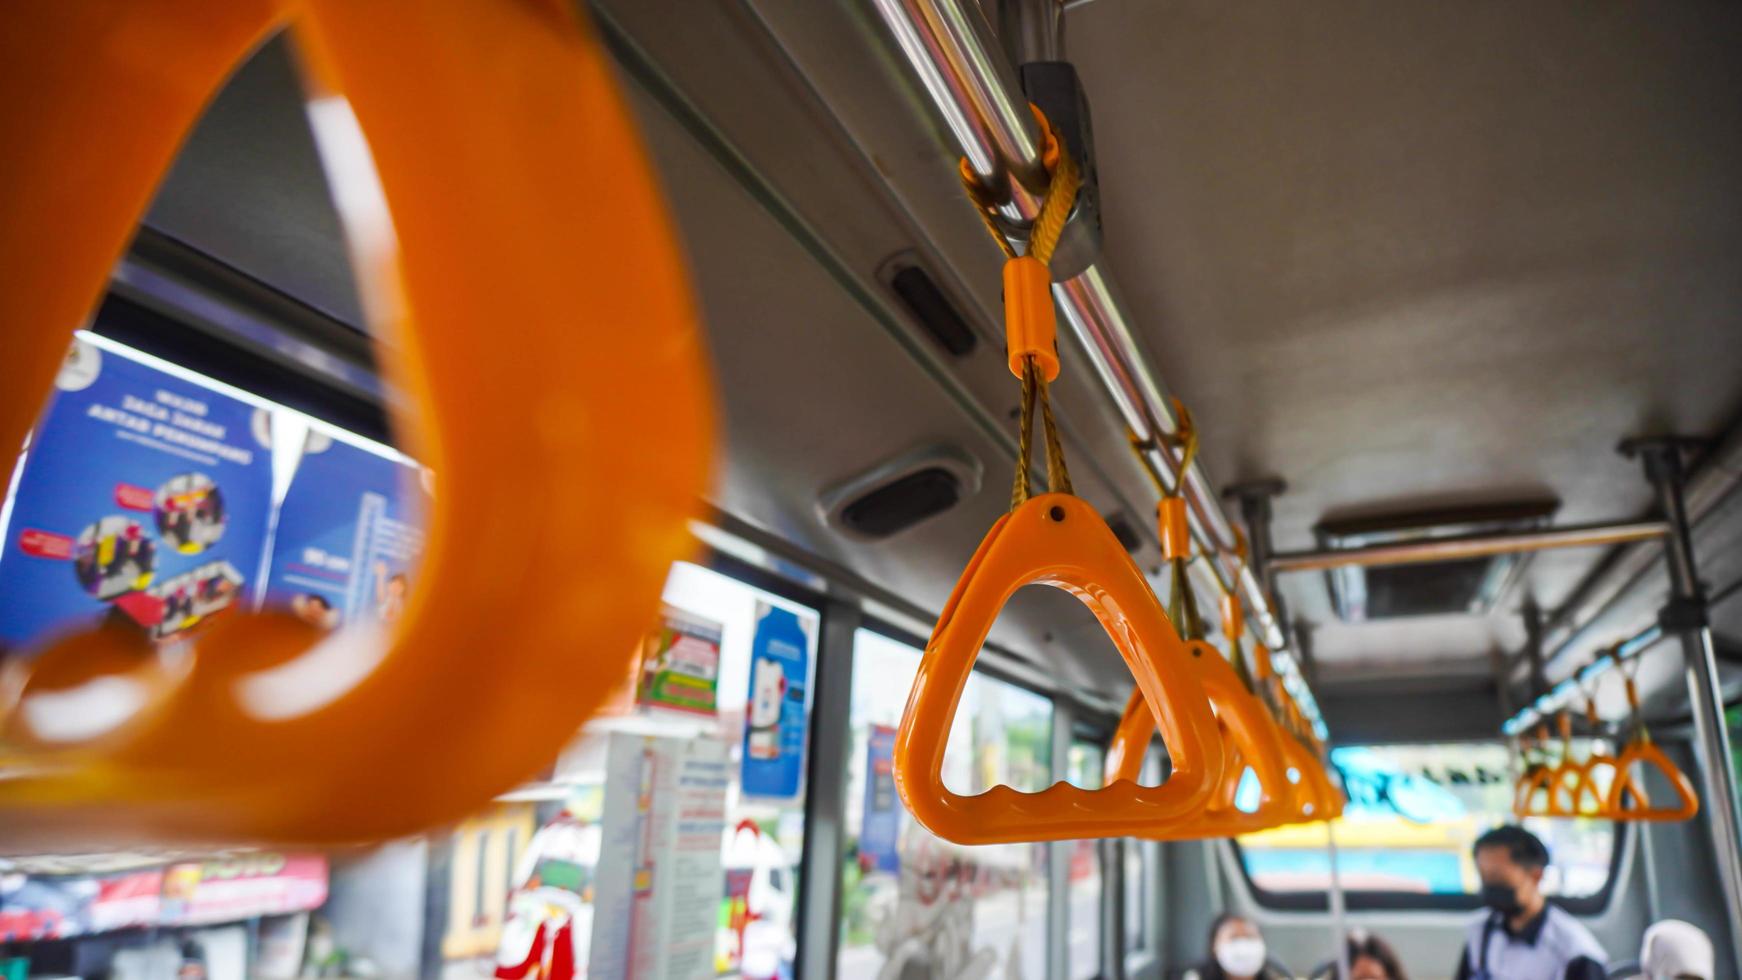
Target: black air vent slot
[
  {"x": 898, "y": 506},
  {"x": 898, "y": 493},
  {"x": 933, "y": 309}
]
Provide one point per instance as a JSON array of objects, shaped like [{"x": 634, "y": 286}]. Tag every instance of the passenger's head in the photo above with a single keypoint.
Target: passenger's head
[
  {"x": 1236, "y": 946},
  {"x": 1673, "y": 950},
  {"x": 1371, "y": 958},
  {"x": 1511, "y": 860}
]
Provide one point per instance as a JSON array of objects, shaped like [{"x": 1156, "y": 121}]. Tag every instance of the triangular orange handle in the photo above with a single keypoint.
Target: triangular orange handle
[
  {"x": 515, "y": 183},
  {"x": 1567, "y": 784},
  {"x": 1250, "y": 736},
  {"x": 1538, "y": 779},
  {"x": 1593, "y": 793},
  {"x": 1627, "y": 797},
  {"x": 1058, "y": 540}
]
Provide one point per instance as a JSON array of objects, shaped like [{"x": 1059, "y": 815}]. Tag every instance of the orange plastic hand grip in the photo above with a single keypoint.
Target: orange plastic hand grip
[
  {"x": 1627, "y": 797},
  {"x": 1248, "y": 733},
  {"x": 1567, "y": 790},
  {"x": 1030, "y": 323},
  {"x": 1315, "y": 798},
  {"x": 494, "y": 125},
  {"x": 1593, "y": 793},
  {"x": 1536, "y": 780},
  {"x": 1058, "y": 540}
]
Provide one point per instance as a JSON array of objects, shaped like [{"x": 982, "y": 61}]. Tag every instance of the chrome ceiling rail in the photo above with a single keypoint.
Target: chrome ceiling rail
[
  {"x": 1453, "y": 548},
  {"x": 1561, "y": 695},
  {"x": 951, "y": 48}
]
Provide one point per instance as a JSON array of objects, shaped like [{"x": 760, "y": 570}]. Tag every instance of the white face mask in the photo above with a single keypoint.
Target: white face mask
[{"x": 1241, "y": 957}]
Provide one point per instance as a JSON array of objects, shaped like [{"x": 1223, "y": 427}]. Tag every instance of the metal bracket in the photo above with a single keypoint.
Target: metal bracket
[
  {"x": 1683, "y": 615},
  {"x": 1662, "y": 454},
  {"x": 1056, "y": 89}
]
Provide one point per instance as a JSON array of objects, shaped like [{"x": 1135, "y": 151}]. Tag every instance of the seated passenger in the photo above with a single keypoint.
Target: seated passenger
[
  {"x": 1520, "y": 936},
  {"x": 1237, "y": 952},
  {"x": 1676, "y": 950},
  {"x": 1370, "y": 958}
]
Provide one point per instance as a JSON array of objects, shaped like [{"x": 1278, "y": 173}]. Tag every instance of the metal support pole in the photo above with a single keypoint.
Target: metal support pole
[
  {"x": 1532, "y": 615},
  {"x": 1685, "y": 615},
  {"x": 1339, "y": 913},
  {"x": 1470, "y": 546},
  {"x": 1648, "y": 861},
  {"x": 825, "y": 825},
  {"x": 1113, "y": 940},
  {"x": 1058, "y": 853}
]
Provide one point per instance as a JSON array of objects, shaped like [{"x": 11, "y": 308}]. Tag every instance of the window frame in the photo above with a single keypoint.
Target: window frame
[{"x": 1373, "y": 900}]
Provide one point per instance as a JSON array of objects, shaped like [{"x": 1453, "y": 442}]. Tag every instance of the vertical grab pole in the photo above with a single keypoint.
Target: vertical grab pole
[
  {"x": 1255, "y": 511},
  {"x": 1339, "y": 914},
  {"x": 1648, "y": 857},
  {"x": 1685, "y": 616}
]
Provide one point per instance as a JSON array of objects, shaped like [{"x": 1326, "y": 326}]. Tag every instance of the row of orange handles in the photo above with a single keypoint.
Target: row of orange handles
[
  {"x": 528, "y": 247},
  {"x": 1599, "y": 785},
  {"x": 1215, "y": 725}
]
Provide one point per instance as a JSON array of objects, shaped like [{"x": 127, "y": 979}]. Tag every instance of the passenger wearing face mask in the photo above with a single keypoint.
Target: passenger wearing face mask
[
  {"x": 1237, "y": 952},
  {"x": 1520, "y": 936}
]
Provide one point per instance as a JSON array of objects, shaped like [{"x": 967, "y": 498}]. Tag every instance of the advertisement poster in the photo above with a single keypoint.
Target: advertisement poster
[
  {"x": 144, "y": 500},
  {"x": 658, "y": 881},
  {"x": 349, "y": 534},
  {"x": 190, "y": 893},
  {"x": 775, "y": 721},
  {"x": 680, "y": 664},
  {"x": 234, "y": 889},
  {"x": 880, "y": 827}
]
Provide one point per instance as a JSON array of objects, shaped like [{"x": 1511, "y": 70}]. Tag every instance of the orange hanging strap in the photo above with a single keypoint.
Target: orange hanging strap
[
  {"x": 1030, "y": 322},
  {"x": 1059, "y": 540},
  {"x": 1628, "y": 799}
]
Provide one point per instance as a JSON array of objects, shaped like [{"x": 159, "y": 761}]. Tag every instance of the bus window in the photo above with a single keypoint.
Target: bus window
[
  {"x": 1084, "y": 768},
  {"x": 765, "y": 798},
  {"x": 1404, "y": 839},
  {"x": 698, "y": 685},
  {"x": 908, "y": 896}
]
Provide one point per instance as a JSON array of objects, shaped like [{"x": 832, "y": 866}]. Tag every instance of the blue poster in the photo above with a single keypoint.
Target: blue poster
[
  {"x": 775, "y": 720},
  {"x": 349, "y": 534},
  {"x": 880, "y": 825},
  {"x": 143, "y": 501}
]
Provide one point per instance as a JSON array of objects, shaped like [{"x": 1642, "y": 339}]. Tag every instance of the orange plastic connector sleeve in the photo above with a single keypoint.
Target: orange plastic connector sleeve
[
  {"x": 1030, "y": 323},
  {"x": 1233, "y": 617},
  {"x": 491, "y": 157},
  {"x": 1057, "y": 540},
  {"x": 1176, "y": 528}
]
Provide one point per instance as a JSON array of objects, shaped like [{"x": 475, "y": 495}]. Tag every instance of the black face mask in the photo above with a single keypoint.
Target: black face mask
[{"x": 1502, "y": 899}]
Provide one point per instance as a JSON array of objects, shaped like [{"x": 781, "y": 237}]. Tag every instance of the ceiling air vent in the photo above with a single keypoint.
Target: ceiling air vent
[
  {"x": 1457, "y": 586},
  {"x": 895, "y": 495},
  {"x": 930, "y": 305}
]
